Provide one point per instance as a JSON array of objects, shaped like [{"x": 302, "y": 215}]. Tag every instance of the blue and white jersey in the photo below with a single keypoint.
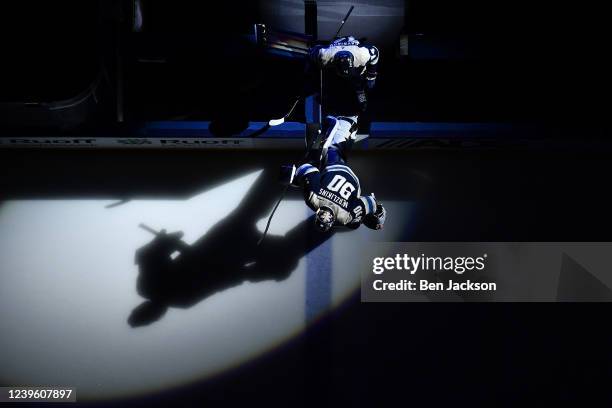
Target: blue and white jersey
[
  {"x": 336, "y": 187},
  {"x": 365, "y": 56},
  {"x": 343, "y": 94}
]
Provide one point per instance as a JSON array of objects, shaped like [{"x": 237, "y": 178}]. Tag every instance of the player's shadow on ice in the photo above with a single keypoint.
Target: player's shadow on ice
[{"x": 175, "y": 274}]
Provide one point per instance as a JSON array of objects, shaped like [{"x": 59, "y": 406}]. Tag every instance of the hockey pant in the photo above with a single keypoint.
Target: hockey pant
[{"x": 340, "y": 133}]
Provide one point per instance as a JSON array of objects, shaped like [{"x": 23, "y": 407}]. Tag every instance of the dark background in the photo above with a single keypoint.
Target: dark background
[{"x": 469, "y": 61}]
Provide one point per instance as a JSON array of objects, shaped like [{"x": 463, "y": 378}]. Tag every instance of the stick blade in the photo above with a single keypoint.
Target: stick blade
[{"x": 276, "y": 122}]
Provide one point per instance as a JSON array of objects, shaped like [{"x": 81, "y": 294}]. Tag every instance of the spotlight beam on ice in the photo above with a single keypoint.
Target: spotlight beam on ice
[{"x": 69, "y": 282}]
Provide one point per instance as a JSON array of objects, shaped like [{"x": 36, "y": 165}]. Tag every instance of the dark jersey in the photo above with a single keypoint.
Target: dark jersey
[{"x": 336, "y": 187}]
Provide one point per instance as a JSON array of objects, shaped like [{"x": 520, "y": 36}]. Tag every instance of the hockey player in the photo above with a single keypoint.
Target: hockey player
[
  {"x": 333, "y": 192},
  {"x": 349, "y": 70}
]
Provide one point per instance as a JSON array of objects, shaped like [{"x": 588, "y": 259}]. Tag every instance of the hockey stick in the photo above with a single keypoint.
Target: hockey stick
[
  {"x": 281, "y": 198},
  {"x": 272, "y": 214},
  {"x": 343, "y": 21},
  {"x": 275, "y": 122}
]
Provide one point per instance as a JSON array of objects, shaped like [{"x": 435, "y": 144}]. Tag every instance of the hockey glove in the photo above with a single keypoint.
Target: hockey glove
[
  {"x": 362, "y": 100},
  {"x": 377, "y": 220}
]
